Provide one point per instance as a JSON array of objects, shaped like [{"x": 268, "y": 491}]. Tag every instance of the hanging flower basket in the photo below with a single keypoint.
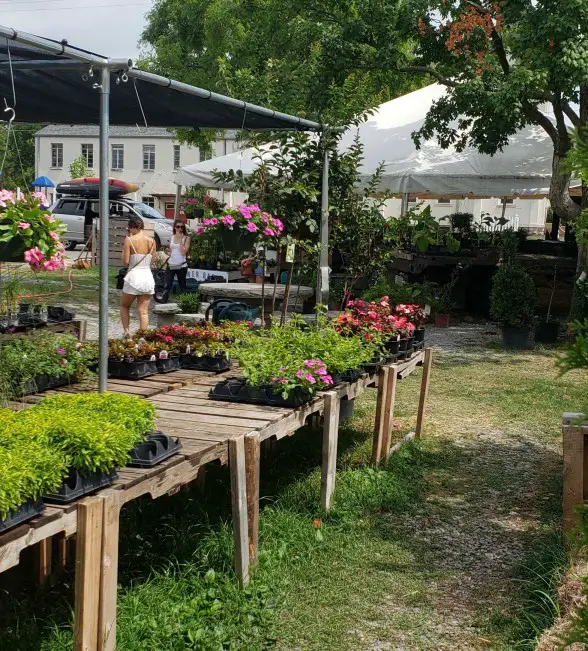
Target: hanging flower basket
[{"x": 29, "y": 232}]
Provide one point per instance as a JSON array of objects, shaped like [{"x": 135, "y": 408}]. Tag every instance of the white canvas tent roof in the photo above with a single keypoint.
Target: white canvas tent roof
[{"x": 522, "y": 168}]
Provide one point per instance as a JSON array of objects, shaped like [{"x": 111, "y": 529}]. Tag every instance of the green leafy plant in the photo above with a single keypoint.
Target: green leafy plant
[
  {"x": 78, "y": 168},
  {"x": 189, "y": 303},
  {"x": 401, "y": 293},
  {"x": 575, "y": 355},
  {"x": 514, "y": 297}
]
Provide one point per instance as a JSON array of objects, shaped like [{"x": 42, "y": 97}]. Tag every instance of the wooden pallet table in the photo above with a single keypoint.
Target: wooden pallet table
[
  {"x": 210, "y": 431},
  {"x": 575, "y": 467}
]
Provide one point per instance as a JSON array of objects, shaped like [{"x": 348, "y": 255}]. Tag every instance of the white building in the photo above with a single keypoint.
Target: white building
[
  {"x": 528, "y": 214},
  {"x": 147, "y": 157}
]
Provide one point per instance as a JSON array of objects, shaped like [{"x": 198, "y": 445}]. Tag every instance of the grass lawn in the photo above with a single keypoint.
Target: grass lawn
[{"x": 455, "y": 544}]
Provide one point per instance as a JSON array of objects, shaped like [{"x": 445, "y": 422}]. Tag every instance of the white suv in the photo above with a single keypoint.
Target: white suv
[{"x": 79, "y": 213}]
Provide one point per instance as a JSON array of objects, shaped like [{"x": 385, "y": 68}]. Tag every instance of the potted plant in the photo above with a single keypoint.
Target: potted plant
[
  {"x": 415, "y": 314},
  {"x": 130, "y": 360},
  {"x": 513, "y": 301},
  {"x": 9, "y": 307},
  {"x": 29, "y": 232},
  {"x": 547, "y": 331}
]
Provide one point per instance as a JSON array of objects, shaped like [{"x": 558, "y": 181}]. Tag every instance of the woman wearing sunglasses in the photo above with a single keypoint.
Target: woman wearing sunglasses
[{"x": 177, "y": 250}]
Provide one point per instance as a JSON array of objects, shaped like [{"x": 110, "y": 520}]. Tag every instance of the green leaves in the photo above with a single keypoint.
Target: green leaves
[{"x": 514, "y": 297}]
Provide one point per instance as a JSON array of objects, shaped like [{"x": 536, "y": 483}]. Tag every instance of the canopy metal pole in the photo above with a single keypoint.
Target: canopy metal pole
[
  {"x": 104, "y": 229},
  {"x": 322, "y": 291},
  {"x": 404, "y": 205}
]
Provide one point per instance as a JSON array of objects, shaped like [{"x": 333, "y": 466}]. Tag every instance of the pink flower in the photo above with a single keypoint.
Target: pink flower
[
  {"x": 213, "y": 221},
  {"x": 284, "y": 381},
  {"x": 24, "y": 225},
  {"x": 53, "y": 235},
  {"x": 251, "y": 227},
  {"x": 254, "y": 207},
  {"x": 199, "y": 230},
  {"x": 310, "y": 363},
  {"x": 228, "y": 220},
  {"x": 245, "y": 211},
  {"x": 34, "y": 256},
  {"x": 300, "y": 373},
  {"x": 327, "y": 379},
  {"x": 54, "y": 264},
  {"x": 269, "y": 232},
  {"x": 50, "y": 218},
  {"x": 322, "y": 371},
  {"x": 309, "y": 378},
  {"x": 372, "y": 315}
]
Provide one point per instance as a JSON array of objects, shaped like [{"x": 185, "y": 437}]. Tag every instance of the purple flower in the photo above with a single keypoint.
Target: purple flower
[
  {"x": 251, "y": 227},
  {"x": 310, "y": 378},
  {"x": 300, "y": 373},
  {"x": 310, "y": 363},
  {"x": 61, "y": 351},
  {"x": 269, "y": 232},
  {"x": 327, "y": 379},
  {"x": 228, "y": 220},
  {"x": 322, "y": 371}
]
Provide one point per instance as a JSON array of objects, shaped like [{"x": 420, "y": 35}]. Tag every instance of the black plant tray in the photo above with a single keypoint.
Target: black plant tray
[
  {"x": 157, "y": 448},
  {"x": 60, "y": 315},
  {"x": 132, "y": 370},
  {"x": 374, "y": 366},
  {"x": 76, "y": 486},
  {"x": 168, "y": 365},
  {"x": 210, "y": 363},
  {"x": 25, "y": 512},
  {"x": 42, "y": 383},
  {"x": 418, "y": 345},
  {"x": 390, "y": 359},
  {"x": 352, "y": 375},
  {"x": 237, "y": 390}
]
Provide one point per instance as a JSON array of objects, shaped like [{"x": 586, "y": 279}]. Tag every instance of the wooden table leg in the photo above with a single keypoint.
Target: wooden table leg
[
  {"x": 330, "y": 437},
  {"x": 87, "y": 581},
  {"x": 109, "y": 571},
  {"x": 389, "y": 412},
  {"x": 239, "y": 501},
  {"x": 44, "y": 553},
  {"x": 424, "y": 391},
  {"x": 252, "y": 457},
  {"x": 379, "y": 420},
  {"x": 573, "y": 474}
]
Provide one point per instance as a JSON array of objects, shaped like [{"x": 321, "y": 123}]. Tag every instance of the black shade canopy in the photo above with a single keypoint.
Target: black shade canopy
[{"x": 51, "y": 82}]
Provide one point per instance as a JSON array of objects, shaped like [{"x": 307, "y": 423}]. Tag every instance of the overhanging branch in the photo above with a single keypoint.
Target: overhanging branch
[{"x": 426, "y": 70}]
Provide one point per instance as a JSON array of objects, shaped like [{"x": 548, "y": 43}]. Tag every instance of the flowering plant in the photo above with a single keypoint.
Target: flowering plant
[
  {"x": 414, "y": 313},
  {"x": 374, "y": 320},
  {"x": 266, "y": 228},
  {"x": 29, "y": 229}
]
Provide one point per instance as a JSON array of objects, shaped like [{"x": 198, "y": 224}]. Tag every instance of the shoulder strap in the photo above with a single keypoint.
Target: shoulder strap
[{"x": 132, "y": 244}]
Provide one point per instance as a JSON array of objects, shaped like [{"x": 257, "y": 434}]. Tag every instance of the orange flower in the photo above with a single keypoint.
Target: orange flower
[{"x": 317, "y": 524}]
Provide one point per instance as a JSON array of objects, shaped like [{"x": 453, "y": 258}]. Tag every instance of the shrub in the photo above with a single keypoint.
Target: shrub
[
  {"x": 514, "y": 297},
  {"x": 406, "y": 293},
  {"x": 189, "y": 303}
]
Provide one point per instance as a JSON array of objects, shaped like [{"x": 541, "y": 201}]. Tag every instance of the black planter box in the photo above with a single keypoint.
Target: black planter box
[
  {"x": 210, "y": 363},
  {"x": 157, "y": 448},
  {"x": 60, "y": 315},
  {"x": 131, "y": 370},
  {"x": 547, "y": 332},
  {"x": 352, "y": 375},
  {"x": 168, "y": 365},
  {"x": 25, "y": 512},
  {"x": 237, "y": 390},
  {"x": 76, "y": 486},
  {"x": 42, "y": 383}
]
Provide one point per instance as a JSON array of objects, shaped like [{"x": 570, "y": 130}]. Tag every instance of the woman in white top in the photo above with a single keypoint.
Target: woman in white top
[
  {"x": 138, "y": 251},
  {"x": 177, "y": 250}
]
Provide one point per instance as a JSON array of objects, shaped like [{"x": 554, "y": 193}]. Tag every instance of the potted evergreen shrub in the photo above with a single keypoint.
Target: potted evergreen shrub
[{"x": 512, "y": 304}]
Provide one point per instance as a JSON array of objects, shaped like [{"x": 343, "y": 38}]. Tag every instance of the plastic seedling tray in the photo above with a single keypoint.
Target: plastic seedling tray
[
  {"x": 157, "y": 448},
  {"x": 237, "y": 390},
  {"x": 168, "y": 365},
  {"x": 25, "y": 512},
  {"x": 60, "y": 315},
  {"x": 210, "y": 363},
  {"x": 131, "y": 370},
  {"x": 76, "y": 486}
]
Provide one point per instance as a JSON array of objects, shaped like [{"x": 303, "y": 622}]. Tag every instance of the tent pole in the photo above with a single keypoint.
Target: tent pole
[
  {"x": 178, "y": 201},
  {"x": 322, "y": 290},
  {"x": 104, "y": 228},
  {"x": 404, "y": 206}
]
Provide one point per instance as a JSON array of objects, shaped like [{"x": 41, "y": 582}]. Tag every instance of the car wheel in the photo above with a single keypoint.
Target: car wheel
[{"x": 70, "y": 245}]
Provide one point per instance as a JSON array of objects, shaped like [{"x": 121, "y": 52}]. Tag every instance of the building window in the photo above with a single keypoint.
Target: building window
[
  {"x": 148, "y": 201},
  {"x": 57, "y": 155},
  {"x": 148, "y": 157},
  {"x": 444, "y": 202},
  {"x": 88, "y": 154},
  {"x": 118, "y": 157},
  {"x": 177, "y": 157},
  {"x": 205, "y": 155}
]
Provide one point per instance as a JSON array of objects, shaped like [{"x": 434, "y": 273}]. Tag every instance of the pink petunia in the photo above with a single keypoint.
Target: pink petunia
[
  {"x": 327, "y": 379},
  {"x": 310, "y": 378},
  {"x": 228, "y": 220},
  {"x": 300, "y": 373},
  {"x": 269, "y": 232},
  {"x": 322, "y": 371},
  {"x": 251, "y": 227}
]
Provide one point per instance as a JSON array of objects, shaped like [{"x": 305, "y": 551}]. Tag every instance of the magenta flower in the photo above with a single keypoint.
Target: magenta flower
[
  {"x": 228, "y": 220},
  {"x": 54, "y": 264},
  {"x": 284, "y": 381},
  {"x": 24, "y": 225},
  {"x": 251, "y": 227},
  {"x": 310, "y": 363},
  {"x": 34, "y": 256},
  {"x": 50, "y": 218},
  {"x": 213, "y": 221},
  {"x": 327, "y": 379},
  {"x": 300, "y": 373},
  {"x": 60, "y": 351},
  {"x": 310, "y": 378},
  {"x": 245, "y": 211},
  {"x": 199, "y": 230},
  {"x": 254, "y": 207},
  {"x": 53, "y": 235},
  {"x": 322, "y": 371},
  {"x": 269, "y": 232}
]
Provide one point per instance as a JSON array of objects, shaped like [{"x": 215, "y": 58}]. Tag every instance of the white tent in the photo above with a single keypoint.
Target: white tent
[{"x": 522, "y": 168}]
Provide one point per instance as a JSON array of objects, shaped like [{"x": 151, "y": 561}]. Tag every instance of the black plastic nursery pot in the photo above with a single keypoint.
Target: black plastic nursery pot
[
  {"x": 419, "y": 335},
  {"x": 156, "y": 448},
  {"x": 392, "y": 346},
  {"x": 76, "y": 486},
  {"x": 547, "y": 332},
  {"x": 211, "y": 363},
  {"x": 374, "y": 366},
  {"x": 131, "y": 369},
  {"x": 60, "y": 315},
  {"x": 41, "y": 383},
  {"x": 168, "y": 365},
  {"x": 25, "y": 512},
  {"x": 237, "y": 390},
  {"x": 352, "y": 375},
  {"x": 516, "y": 338}
]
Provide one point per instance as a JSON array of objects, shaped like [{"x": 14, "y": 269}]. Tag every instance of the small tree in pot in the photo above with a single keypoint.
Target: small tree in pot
[{"x": 513, "y": 301}]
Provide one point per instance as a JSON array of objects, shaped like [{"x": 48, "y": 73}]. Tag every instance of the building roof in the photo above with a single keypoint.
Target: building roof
[{"x": 93, "y": 131}]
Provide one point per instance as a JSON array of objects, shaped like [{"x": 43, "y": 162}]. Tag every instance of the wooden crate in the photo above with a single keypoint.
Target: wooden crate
[{"x": 117, "y": 234}]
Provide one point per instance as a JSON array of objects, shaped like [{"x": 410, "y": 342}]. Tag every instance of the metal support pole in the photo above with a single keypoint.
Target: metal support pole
[
  {"x": 404, "y": 206},
  {"x": 178, "y": 202},
  {"x": 104, "y": 229},
  {"x": 322, "y": 290}
]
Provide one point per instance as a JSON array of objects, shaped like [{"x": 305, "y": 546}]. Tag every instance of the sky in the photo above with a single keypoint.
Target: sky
[{"x": 109, "y": 27}]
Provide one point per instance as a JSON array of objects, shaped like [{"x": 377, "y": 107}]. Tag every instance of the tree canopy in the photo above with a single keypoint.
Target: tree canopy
[
  {"x": 324, "y": 59},
  {"x": 17, "y": 156}
]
